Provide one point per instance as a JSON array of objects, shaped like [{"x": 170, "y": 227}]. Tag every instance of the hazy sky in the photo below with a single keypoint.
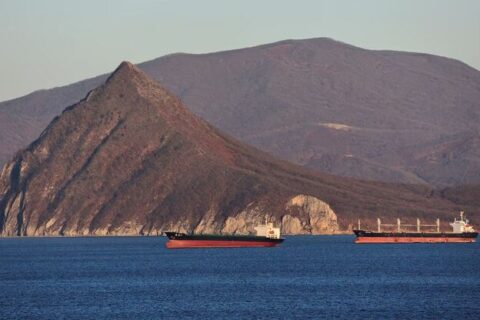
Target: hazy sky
[{"x": 55, "y": 42}]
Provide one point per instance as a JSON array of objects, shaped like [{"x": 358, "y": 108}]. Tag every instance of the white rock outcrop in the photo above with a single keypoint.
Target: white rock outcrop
[{"x": 308, "y": 214}]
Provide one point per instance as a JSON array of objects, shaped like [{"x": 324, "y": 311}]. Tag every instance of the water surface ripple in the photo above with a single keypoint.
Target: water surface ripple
[{"x": 323, "y": 277}]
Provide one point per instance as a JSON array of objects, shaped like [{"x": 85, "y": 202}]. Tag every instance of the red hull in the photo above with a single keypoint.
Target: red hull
[
  {"x": 183, "y": 244},
  {"x": 413, "y": 240}
]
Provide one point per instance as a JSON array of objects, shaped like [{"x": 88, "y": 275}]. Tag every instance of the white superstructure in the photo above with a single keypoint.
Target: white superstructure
[
  {"x": 460, "y": 226},
  {"x": 268, "y": 230}
]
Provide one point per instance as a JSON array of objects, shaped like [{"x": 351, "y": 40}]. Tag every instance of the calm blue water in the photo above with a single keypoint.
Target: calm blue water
[{"x": 325, "y": 277}]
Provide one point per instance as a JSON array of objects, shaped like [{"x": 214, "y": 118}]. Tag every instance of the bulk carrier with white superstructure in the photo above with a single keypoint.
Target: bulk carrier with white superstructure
[
  {"x": 267, "y": 236},
  {"x": 462, "y": 232}
]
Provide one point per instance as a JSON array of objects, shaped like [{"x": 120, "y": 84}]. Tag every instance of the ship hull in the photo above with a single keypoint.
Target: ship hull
[
  {"x": 412, "y": 240},
  {"x": 179, "y": 244},
  {"x": 183, "y": 241},
  {"x": 411, "y": 237}
]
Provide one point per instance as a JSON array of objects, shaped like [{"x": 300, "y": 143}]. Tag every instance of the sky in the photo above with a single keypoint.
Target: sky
[{"x": 51, "y": 43}]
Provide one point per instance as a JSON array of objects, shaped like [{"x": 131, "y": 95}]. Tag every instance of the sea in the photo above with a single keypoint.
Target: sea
[{"x": 307, "y": 277}]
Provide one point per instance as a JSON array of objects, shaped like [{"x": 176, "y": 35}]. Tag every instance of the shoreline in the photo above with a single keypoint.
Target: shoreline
[{"x": 154, "y": 236}]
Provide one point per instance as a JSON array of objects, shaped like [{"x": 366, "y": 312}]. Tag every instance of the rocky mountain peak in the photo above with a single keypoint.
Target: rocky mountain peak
[
  {"x": 127, "y": 73},
  {"x": 131, "y": 94}
]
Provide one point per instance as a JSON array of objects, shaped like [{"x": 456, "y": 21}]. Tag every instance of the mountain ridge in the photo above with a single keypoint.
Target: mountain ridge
[{"x": 256, "y": 94}]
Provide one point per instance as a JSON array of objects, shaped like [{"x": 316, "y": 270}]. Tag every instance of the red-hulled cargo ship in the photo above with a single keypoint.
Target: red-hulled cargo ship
[
  {"x": 267, "y": 236},
  {"x": 462, "y": 232}
]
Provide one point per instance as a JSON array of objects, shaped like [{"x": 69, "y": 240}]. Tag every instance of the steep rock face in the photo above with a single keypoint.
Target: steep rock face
[
  {"x": 321, "y": 218},
  {"x": 131, "y": 159},
  {"x": 377, "y": 115},
  {"x": 245, "y": 221}
]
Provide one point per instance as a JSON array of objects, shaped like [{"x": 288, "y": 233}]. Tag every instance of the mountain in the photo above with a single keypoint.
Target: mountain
[
  {"x": 131, "y": 159},
  {"x": 377, "y": 115}
]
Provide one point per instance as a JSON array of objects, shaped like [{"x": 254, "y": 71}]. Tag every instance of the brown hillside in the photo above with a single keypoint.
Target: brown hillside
[{"x": 131, "y": 159}]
